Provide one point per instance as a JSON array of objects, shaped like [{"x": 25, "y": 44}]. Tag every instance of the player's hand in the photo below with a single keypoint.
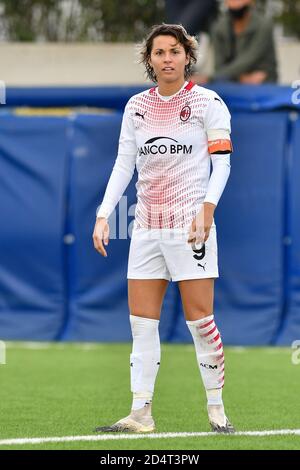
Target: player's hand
[
  {"x": 201, "y": 225},
  {"x": 253, "y": 78},
  {"x": 101, "y": 235}
]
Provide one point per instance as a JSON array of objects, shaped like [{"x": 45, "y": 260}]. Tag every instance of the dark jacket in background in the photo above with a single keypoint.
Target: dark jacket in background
[
  {"x": 252, "y": 50},
  {"x": 194, "y": 15}
]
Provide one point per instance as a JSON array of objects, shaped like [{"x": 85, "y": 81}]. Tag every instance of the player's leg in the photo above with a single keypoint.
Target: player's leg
[
  {"x": 145, "y": 299},
  {"x": 197, "y": 298},
  {"x": 148, "y": 278}
]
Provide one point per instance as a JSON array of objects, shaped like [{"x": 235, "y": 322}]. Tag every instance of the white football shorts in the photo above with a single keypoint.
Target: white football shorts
[{"x": 166, "y": 254}]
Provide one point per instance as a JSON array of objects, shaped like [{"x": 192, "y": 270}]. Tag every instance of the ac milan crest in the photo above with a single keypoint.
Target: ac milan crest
[{"x": 185, "y": 113}]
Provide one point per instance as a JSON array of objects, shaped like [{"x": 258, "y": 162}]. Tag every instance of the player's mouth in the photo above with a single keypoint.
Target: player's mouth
[{"x": 168, "y": 69}]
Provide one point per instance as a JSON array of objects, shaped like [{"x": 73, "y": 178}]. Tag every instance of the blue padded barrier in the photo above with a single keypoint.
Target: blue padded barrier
[
  {"x": 290, "y": 329},
  {"x": 111, "y": 97},
  {"x": 32, "y": 195},
  {"x": 266, "y": 97},
  {"x": 97, "y": 286},
  {"x": 250, "y": 217}
]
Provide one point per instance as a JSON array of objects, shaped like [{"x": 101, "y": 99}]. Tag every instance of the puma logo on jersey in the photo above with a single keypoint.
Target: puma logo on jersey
[
  {"x": 202, "y": 266},
  {"x": 140, "y": 115}
]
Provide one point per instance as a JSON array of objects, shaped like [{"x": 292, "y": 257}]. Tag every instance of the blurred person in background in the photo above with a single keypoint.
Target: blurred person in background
[
  {"x": 193, "y": 15},
  {"x": 197, "y": 18},
  {"x": 171, "y": 133},
  {"x": 243, "y": 46}
]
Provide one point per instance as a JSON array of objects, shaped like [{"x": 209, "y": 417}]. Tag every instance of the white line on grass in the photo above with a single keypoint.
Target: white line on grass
[{"x": 163, "y": 435}]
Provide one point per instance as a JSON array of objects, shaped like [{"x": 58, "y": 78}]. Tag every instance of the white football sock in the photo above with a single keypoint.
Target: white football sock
[
  {"x": 210, "y": 357},
  {"x": 144, "y": 359}
]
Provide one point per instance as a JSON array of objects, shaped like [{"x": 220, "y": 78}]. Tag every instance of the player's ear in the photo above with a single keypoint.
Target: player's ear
[{"x": 187, "y": 60}]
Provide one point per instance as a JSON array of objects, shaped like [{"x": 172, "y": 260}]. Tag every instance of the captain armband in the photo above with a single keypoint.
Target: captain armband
[{"x": 219, "y": 142}]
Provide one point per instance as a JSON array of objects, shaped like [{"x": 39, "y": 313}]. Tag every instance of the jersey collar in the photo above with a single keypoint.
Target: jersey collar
[{"x": 188, "y": 86}]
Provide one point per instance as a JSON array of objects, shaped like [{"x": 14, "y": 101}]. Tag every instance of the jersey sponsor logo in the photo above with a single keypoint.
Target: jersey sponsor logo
[
  {"x": 154, "y": 147},
  {"x": 185, "y": 113}
]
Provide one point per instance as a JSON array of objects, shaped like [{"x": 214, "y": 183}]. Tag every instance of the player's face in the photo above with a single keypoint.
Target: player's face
[{"x": 168, "y": 59}]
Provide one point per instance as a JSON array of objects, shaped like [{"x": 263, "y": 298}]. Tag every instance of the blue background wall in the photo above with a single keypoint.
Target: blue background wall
[{"x": 53, "y": 173}]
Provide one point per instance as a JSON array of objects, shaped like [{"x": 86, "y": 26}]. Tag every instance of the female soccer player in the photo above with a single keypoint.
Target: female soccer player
[{"x": 171, "y": 133}]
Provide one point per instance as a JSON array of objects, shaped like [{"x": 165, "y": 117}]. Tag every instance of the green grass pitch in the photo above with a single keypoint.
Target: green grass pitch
[{"x": 50, "y": 390}]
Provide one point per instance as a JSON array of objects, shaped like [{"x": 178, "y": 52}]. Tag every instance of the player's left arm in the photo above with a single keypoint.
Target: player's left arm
[
  {"x": 218, "y": 129},
  {"x": 217, "y": 126}
]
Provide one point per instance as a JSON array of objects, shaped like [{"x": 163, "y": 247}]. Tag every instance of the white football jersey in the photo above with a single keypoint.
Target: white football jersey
[{"x": 169, "y": 139}]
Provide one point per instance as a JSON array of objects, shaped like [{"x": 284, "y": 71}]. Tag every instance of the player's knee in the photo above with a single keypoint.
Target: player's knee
[
  {"x": 197, "y": 313},
  {"x": 143, "y": 314}
]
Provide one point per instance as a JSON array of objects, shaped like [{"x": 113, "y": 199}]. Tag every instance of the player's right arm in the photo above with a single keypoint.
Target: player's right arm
[{"x": 119, "y": 179}]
